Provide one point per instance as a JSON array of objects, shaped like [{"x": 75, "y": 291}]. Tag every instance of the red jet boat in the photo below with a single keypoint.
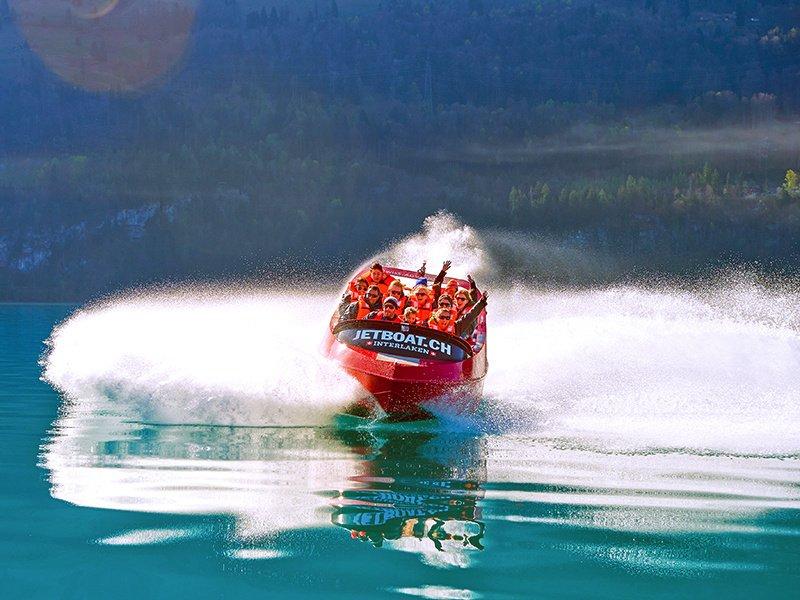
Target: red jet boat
[{"x": 411, "y": 372}]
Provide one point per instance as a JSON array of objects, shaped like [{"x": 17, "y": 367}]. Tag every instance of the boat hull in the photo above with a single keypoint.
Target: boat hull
[
  {"x": 411, "y": 391},
  {"x": 416, "y": 400}
]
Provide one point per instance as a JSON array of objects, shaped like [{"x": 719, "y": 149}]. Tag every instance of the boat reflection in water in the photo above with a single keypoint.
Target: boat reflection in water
[
  {"x": 319, "y": 499},
  {"x": 265, "y": 481},
  {"x": 420, "y": 492}
]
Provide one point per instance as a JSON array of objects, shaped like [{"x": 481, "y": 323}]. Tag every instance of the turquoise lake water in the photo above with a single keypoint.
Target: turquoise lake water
[{"x": 113, "y": 492}]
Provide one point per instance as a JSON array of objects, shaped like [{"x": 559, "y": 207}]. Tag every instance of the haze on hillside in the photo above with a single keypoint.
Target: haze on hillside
[{"x": 145, "y": 140}]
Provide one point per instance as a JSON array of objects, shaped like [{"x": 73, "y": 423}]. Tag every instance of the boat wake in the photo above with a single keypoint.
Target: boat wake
[
  {"x": 201, "y": 356},
  {"x": 659, "y": 368}
]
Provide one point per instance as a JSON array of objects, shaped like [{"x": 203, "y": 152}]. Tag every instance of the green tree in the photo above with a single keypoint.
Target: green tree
[
  {"x": 791, "y": 184},
  {"x": 709, "y": 176},
  {"x": 515, "y": 200}
]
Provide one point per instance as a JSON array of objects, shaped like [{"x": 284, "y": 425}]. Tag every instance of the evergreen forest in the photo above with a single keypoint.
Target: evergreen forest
[{"x": 246, "y": 137}]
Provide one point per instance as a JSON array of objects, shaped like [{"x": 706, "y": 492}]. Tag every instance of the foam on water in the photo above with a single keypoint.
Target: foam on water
[
  {"x": 202, "y": 356},
  {"x": 147, "y": 537},
  {"x": 653, "y": 368},
  {"x": 712, "y": 368}
]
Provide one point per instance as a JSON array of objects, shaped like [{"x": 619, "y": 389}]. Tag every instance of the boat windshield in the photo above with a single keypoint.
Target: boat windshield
[{"x": 402, "y": 339}]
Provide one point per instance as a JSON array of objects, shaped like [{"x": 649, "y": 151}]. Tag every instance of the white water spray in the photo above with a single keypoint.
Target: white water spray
[
  {"x": 658, "y": 368},
  {"x": 442, "y": 238},
  {"x": 202, "y": 356}
]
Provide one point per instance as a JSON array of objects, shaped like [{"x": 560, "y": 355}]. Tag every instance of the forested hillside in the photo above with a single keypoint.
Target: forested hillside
[{"x": 665, "y": 133}]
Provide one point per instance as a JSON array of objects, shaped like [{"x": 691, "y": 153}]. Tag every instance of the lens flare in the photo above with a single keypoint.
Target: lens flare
[
  {"x": 93, "y": 9},
  {"x": 107, "y": 45}
]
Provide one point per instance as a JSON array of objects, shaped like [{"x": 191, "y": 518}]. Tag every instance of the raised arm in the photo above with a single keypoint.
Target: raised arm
[
  {"x": 437, "y": 283},
  {"x": 440, "y": 277},
  {"x": 474, "y": 292}
]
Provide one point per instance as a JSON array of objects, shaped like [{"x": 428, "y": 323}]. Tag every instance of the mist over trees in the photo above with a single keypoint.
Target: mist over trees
[{"x": 664, "y": 133}]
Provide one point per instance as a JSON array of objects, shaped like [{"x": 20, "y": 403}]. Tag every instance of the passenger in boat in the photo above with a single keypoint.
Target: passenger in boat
[
  {"x": 451, "y": 287},
  {"x": 389, "y": 313},
  {"x": 375, "y": 275},
  {"x": 444, "y": 317},
  {"x": 442, "y": 320},
  {"x": 464, "y": 299},
  {"x": 398, "y": 292},
  {"x": 444, "y": 300},
  {"x": 465, "y": 325},
  {"x": 411, "y": 316},
  {"x": 422, "y": 301},
  {"x": 370, "y": 301},
  {"x": 360, "y": 285}
]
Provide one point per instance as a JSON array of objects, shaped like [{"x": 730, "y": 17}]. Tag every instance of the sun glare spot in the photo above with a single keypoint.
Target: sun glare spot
[{"x": 107, "y": 45}]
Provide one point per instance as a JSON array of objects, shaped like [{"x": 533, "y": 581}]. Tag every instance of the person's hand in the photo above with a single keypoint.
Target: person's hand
[
  {"x": 485, "y": 295},
  {"x": 421, "y": 270},
  {"x": 471, "y": 281},
  {"x": 446, "y": 265}
]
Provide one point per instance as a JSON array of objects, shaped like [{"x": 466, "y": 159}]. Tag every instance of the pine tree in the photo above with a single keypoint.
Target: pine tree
[{"x": 791, "y": 185}]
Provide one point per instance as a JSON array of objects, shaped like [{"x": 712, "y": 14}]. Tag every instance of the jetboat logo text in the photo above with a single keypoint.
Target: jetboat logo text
[{"x": 377, "y": 338}]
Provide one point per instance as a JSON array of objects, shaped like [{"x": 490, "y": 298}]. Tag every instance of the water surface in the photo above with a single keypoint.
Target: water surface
[{"x": 110, "y": 489}]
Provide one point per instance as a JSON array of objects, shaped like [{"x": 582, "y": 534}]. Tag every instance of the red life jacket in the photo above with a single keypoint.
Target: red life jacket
[
  {"x": 451, "y": 289},
  {"x": 382, "y": 317},
  {"x": 383, "y": 284},
  {"x": 446, "y": 326},
  {"x": 402, "y": 303},
  {"x": 424, "y": 308},
  {"x": 363, "y": 308}
]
